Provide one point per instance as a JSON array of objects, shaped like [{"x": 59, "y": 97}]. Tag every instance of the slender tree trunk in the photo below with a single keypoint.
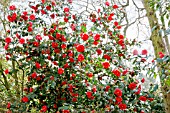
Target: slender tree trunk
[{"x": 159, "y": 46}]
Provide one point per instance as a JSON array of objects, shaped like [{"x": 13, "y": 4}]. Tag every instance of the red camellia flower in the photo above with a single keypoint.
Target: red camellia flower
[
  {"x": 8, "y": 40},
  {"x": 106, "y": 65},
  {"x": 12, "y": 7},
  {"x": 99, "y": 51},
  {"x": 54, "y": 44},
  {"x": 107, "y": 88},
  {"x": 30, "y": 29},
  {"x": 60, "y": 71},
  {"x": 132, "y": 85},
  {"x": 34, "y": 75},
  {"x": 143, "y": 80},
  {"x": 150, "y": 99},
  {"x": 142, "y": 98},
  {"x": 119, "y": 99},
  {"x": 144, "y": 52},
  {"x": 135, "y": 52},
  {"x": 44, "y": 108},
  {"x": 89, "y": 94},
  {"x": 37, "y": 65},
  {"x": 12, "y": 18},
  {"x": 65, "y": 111},
  {"x": 115, "y": 7},
  {"x": 122, "y": 106},
  {"x": 25, "y": 99},
  {"x": 66, "y": 9},
  {"x": 118, "y": 92},
  {"x": 8, "y": 105},
  {"x": 116, "y": 72},
  {"x": 105, "y": 56},
  {"x": 97, "y": 37},
  {"x": 6, "y": 71},
  {"x": 80, "y": 57},
  {"x": 36, "y": 44},
  {"x": 32, "y": 17},
  {"x": 43, "y": 1},
  {"x": 161, "y": 55},
  {"x": 21, "y": 40},
  {"x": 74, "y": 99},
  {"x": 84, "y": 37},
  {"x": 116, "y": 23},
  {"x": 90, "y": 74},
  {"x": 38, "y": 37},
  {"x": 80, "y": 48},
  {"x": 107, "y": 3},
  {"x": 48, "y": 7}
]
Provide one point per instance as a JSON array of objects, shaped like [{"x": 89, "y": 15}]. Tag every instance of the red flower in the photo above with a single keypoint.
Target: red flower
[
  {"x": 107, "y": 3},
  {"x": 106, "y": 65},
  {"x": 74, "y": 99},
  {"x": 118, "y": 99},
  {"x": 107, "y": 88},
  {"x": 90, "y": 74},
  {"x": 105, "y": 56},
  {"x": 8, "y": 40},
  {"x": 122, "y": 106},
  {"x": 150, "y": 99},
  {"x": 24, "y": 99},
  {"x": 30, "y": 29},
  {"x": 115, "y": 7},
  {"x": 65, "y": 111},
  {"x": 142, "y": 98},
  {"x": 44, "y": 108},
  {"x": 38, "y": 37},
  {"x": 99, "y": 51},
  {"x": 118, "y": 92},
  {"x": 110, "y": 18},
  {"x": 37, "y": 65},
  {"x": 116, "y": 23},
  {"x": 6, "y": 46},
  {"x": 80, "y": 48},
  {"x": 80, "y": 57},
  {"x": 21, "y": 40},
  {"x": 135, "y": 52},
  {"x": 12, "y": 18},
  {"x": 36, "y": 44},
  {"x": 32, "y": 17},
  {"x": 43, "y": 1},
  {"x": 143, "y": 80},
  {"x": 31, "y": 89},
  {"x": 66, "y": 9},
  {"x": 8, "y": 105},
  {"x": 121, "y": 37},
  {"x": 54, "y": 44},
  {"x": 84, "y": 37},
  {"x": 60, "y": 71},
  {"x": 132, "y": 85},
  {"x": 34, "y": 75},
  {"x": 89, "y": 94},
  {"x": 161, "y": 55},
  {"x": 12, "y": 7},
  {"x": 6, "y": 71},
  {"x": 63, "y": 46},
  {"x": 97, "y": 37},
  {"x": 116, "y": 72},
  {"x": 144, "y": 52},
  {"x": 48, "y": 7},
  {"x": 65, "y": 19}
]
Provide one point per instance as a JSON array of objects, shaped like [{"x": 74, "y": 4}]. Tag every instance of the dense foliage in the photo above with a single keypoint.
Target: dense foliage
[{"x": 77, "y": 63}]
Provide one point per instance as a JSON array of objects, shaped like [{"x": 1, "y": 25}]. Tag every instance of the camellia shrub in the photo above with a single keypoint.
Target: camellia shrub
[{"x": 74, "y": 62}]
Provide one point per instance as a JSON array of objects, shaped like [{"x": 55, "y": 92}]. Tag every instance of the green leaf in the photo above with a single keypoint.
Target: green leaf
[
  {"x": 63, "y": 107},
  {"x": 155, "y": 88},
  {"x": 83, "y": 28},
  {"x": 168, "y": 82}
]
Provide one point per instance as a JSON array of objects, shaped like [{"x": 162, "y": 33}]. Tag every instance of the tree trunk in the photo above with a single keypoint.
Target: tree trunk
[{"x": 159, "y": 46}]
